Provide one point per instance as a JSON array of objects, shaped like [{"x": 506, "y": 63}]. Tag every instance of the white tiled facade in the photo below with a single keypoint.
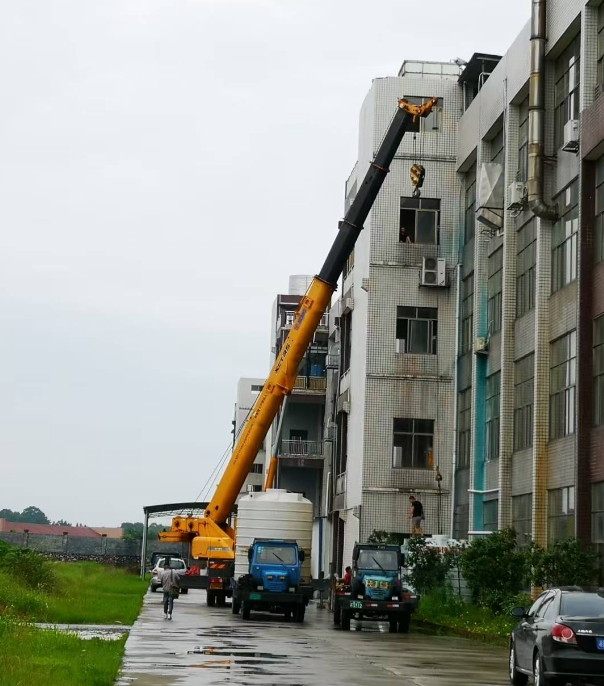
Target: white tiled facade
[{"x": 247, "y": 392}]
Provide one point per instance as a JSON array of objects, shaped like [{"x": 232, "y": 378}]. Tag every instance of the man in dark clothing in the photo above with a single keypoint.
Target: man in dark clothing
[{"x": 416, "y": 514}]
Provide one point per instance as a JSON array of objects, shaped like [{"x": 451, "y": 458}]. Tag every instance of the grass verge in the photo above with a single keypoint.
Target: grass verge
[
  {"x": 52, "y": 658},
  {"x": 464, "y": 619}
]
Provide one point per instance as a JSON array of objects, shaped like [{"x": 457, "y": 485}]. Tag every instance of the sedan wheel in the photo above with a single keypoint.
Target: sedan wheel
[
  {"x": 516, "y": 677},
  {"x": 538, "y": 675}
]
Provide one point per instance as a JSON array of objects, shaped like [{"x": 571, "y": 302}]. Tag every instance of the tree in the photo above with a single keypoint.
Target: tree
[
  {"x": 133, "y": 531},
  {"x": 34, "y": 515},
  {"x": 10, "y": 515},
  {"x": 62, "y": 522}
]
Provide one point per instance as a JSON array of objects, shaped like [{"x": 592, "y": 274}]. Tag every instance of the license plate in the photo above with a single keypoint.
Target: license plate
[
  {"x": 356, "y": 605},
  {"x": 600, "y": 643},
  {"x": 254, "y": 596}
]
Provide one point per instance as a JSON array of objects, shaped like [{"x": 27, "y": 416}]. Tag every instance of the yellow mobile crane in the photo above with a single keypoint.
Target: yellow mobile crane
[{"x": 212, "y": 538}]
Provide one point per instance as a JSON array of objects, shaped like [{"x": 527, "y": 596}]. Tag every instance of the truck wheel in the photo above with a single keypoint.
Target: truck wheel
[
  {"x": 287, "y": 615},
  {"x": 299, "y": 614},
  {"x": 211, "y": 599},
  {"x": 245, "y": 611},
  {"x": 220, "y": 599},
  {"x": 336, "y": 615},
  {"x": 184, "y": 591},
  {"x": 235, "y": 607},
  {"x": 345, "y": 621},
  {"x": 404, "y": 622},
  {"x": 393, "y": 626}
]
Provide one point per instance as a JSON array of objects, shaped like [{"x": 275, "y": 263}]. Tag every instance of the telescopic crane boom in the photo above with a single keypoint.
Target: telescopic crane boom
[{"x": 215, "y": 538}]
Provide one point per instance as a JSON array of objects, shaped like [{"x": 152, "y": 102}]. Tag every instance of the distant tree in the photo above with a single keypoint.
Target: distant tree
[
  {"x": 34, "y": 515},
  {"x": 61, "y": 522},
  {"x": 10, "y": 515},
  {"x": 133, "y": 531}
]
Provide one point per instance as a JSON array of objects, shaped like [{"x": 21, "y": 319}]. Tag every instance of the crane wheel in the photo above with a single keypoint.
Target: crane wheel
[{"x": 211, "y": 599}]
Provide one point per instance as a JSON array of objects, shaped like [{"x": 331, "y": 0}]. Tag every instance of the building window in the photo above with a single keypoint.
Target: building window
[
  {"x": 489, "y": 515},
  {"x": 289, "y": 318},
  {"x": 498, "y": 148},
  {"x": 256, "y": 388},
  {"x": 342, "y": 442},
  {"x": 257, "y": 468},
  {"x": 467, "y": 313},
  {"x": 427, "y": 124},
  {"x": 464, "y": 427},
  {"x": 564, "y": 239},
  {"x": 492, "y": 412},
  {"x": 599, "y": 219},
  {"x": 597, "y": 513},
  {"x": 525, "y": 269},
  {"x": 412, "y": 443},
  {"x": 419, "y": 221},
  {"x": 561, "y": 513},
  {"x": 349, "y": 264},
  {"x": 567, "y": 88},
  {"x": 524, "y": 393},
  {"x": 416, "y": 330},
  {"x": 346, "y": 345},
  {"x": 600, "y": 50},
  {"x": 563, "y": 376},
  {"x": 598, "y": 370},
  {"x": 470, "y": 204},
  {"x": 494, "y": 291},
  {"x": 522, "y": 519},
  {"x": 523, "y": 141}
]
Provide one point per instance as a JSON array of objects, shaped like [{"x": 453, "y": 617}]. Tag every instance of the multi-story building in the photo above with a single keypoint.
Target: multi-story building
[
  {"x": 247, "y": 392},
  {"x": 530, "y": 423},
  {"x": 393, "y": 414},
  {"x": 297, "y": 432}
]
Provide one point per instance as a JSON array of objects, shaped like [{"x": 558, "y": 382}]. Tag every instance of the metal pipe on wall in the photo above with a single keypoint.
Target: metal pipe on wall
[{"x": 536, "y": 121}]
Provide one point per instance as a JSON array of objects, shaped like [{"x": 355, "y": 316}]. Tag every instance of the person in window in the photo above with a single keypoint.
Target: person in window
[
  {"x": 416, "y": 514},
  {"x": 403, "y": 237}
]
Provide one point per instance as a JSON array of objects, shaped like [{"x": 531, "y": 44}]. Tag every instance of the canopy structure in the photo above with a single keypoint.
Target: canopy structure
[{"x": 187, "y": 509}]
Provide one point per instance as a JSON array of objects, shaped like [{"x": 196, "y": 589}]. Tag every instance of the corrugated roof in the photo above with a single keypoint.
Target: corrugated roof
[{"x": 51, "y": 529}]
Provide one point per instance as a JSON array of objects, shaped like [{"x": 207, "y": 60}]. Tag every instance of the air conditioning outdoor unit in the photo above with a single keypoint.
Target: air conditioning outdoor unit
[
  {"x": 346, "y": 406},
  {"x": 348, "y": 303},
  {"x": 571, "y": 136},
  {"x": 481, "y": 346},
  {"x": 434, "y": 272},
  {"x": 516, "y": 196}
]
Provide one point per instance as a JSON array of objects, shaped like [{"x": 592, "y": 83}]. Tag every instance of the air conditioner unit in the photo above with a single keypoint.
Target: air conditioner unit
[
  {"x": 365, "y": 285},
  {"x": 516, "y": 196},
  {"x": 348, "y": 304},
  {"x": 401, "y": 345},
  {"x": 481, "y": 346},
  {"x": 346, "y": 406},
  {"x": 434, "y": 272},
  {"x": 571, "y": 136}
]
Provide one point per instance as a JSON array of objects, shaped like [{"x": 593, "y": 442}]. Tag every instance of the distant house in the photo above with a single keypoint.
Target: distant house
[
  {"x": 109, "y": 531},
  {"x": 22, "y": 527}
]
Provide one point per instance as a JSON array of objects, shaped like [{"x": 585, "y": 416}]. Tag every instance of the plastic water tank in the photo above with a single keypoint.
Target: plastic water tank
[
  {"x": 299, "y": 283},
  {"x": 276, "y": 514}
]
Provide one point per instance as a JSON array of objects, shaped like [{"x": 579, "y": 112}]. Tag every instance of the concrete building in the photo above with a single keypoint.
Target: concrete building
[
  {"x": 530, "y": 424},
  {"x": 393, "y": 329},
  {"x": 247, "y": 392},
  {"x": 300, "y": 447}
]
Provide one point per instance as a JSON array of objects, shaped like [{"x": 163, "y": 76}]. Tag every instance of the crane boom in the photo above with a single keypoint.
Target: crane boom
[{"x": 281, "y": 379}]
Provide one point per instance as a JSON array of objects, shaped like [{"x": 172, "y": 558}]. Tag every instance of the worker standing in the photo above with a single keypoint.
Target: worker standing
[
  {"x": 416, "y": 514},
  {"x": 170, "y": 584}
]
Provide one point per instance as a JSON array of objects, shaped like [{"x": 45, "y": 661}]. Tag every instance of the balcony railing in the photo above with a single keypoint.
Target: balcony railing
[
  {"x": 297, "y": 448},
  {"x": 311, "y": 383},
  {"x": 290, "y": 316}
]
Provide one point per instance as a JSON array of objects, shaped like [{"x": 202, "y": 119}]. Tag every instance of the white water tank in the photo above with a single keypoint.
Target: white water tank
[
  {"x": 277, "y": 514},
  {"x": 299, "y": 283}
]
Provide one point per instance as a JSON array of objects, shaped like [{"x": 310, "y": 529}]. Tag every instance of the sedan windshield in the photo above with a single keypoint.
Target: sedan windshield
[
  {"x": 174, "y": 564},
  {"x": 276, "y": 555},
  {"x": 380, "y": 560},
  {"x": 582, "y": 605}
]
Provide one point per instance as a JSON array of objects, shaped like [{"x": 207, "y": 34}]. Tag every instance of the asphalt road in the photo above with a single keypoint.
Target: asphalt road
[{"x": 204, "y": 645}]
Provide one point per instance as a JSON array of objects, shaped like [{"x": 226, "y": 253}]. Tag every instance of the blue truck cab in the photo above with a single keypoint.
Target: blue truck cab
[
  {"x": 376, "y": 572},
  {"x": 273, "y": 581}
]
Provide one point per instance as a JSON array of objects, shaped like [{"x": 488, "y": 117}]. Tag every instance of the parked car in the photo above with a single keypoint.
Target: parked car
[
  {"x": 560, "y": 639},
  {"x": 177, "y": 564}
]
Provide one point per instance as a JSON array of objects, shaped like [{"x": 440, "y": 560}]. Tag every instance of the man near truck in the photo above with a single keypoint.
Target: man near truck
[
  {"x": 416, "y": 514},
  {"x": 169, "y": 583}
]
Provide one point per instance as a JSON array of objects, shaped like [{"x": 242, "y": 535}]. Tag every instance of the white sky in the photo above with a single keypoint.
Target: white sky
[{"x": 164, "y": 166}]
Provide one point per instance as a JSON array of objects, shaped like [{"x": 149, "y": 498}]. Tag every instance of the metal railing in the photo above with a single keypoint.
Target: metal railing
[
  {"x": 310, "y": 383},
  {"x": 297, "y": 448}
]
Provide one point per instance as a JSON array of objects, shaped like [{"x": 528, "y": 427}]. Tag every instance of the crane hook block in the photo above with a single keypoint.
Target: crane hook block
[{"x": 418, "y": 173}]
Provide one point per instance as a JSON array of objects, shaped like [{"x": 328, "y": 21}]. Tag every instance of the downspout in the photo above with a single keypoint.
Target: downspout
[
  {"x": 455, "y": 395},
  {"x": 537, "y": 115}
]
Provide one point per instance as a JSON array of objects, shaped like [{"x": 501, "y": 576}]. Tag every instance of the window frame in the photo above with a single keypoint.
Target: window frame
[
  {"x": 470, "y": 205},
  {"x": 562, "y": 396},
  {"x": 419, "y": 207},
  {"x": 597, "y": 512},
  {"x": 600, "y": 62},
  {"x": 567, "y": 88},
  {"x": 495, "y": 291},
  {"x": 599, "y": 209},
  {"x": 524, "y": 400},
  {"x": 565, "y": 237},
  {"x": 416, "y": 434},
  {"x": 523, "y": 136},
  {"x": 431, "y": 328},
  {"x": 492, "y": 398},
  {"x": 522, "y": 513},
  {"x": 598, "y": 370},
  {"x": 490, "y": 508},
  {"x": 567, "y": 518},
  {"x": 464, "y": 428},
  {"x": 526, "y": 265},
  {"x": 467, "y": 314}
]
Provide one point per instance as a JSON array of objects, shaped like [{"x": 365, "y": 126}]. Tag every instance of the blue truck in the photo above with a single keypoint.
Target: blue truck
[
  {"x": 273, "y": 581},
  {"x": 376, "y": 590}
]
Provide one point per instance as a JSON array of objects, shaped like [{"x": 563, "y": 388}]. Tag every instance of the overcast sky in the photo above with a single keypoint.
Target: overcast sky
[{"x": 164, "y": 166}]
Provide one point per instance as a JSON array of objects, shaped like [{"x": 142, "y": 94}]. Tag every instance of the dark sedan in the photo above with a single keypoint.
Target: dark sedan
[{"x": 560, "y": 639}]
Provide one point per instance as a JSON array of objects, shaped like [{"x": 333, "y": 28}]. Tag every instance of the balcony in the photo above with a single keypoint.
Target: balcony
[
  {"x": 315, "y": 385},
  {"x": 290, "y": 317},
  {"x": 296, "y": 453}
]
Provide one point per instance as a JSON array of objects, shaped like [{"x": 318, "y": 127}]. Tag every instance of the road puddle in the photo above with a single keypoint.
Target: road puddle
[{"x": 87, "y": 632}]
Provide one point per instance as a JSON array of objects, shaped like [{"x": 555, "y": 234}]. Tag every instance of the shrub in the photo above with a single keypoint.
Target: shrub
[
  {"x": 564, "y": 563},
  {"x": 494, "y": 569},
  {"x": 29, "y": 568},
  {"x": 429, "y": 568}
]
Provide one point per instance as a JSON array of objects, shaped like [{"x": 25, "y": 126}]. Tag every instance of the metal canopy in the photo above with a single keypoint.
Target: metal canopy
[
  {"x": 479, "y": 63},
  {"x": 175, "y": 509}
]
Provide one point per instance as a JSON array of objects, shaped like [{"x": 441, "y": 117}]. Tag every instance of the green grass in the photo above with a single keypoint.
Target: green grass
[
  {"x": 463, "y": 618},
  {"x": 35, "y": 656}
]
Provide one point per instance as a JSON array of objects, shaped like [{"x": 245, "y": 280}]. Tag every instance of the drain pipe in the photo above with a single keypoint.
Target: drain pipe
[{"x": 537, "y": 115}]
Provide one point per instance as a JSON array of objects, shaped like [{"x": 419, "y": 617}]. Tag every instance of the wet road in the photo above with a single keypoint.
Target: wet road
[{"x": 204, "y": 645}]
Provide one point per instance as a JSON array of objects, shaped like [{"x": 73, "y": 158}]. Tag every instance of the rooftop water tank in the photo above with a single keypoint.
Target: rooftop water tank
[
  {"x": 298, "y": 284},
  {"x": 275, "y": 514}
]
